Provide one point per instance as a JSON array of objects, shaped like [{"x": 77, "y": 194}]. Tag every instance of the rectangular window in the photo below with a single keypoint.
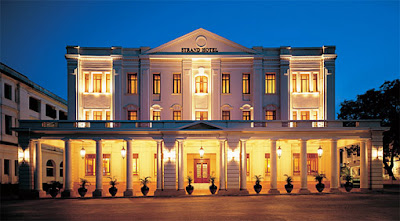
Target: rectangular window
[
  {"x": 8, "y": 124},
  {"x": 135, "y": 164},
  {"x": 16, "y": 167},
  {"x": 270, "y": 83},
  {"x": 87, "y": 115},
  {"x": 201, "y": 115},
  {"x": 246, "y": 115},
  {"x": 226, "y": 83},
  {"x": 246, "y": 83},
  {"x": 177, "y": 84},
  {"x": 62, "y": 115},
  {"x": 8, "y": 91},
  {"x": 61, "y": 169},
  {"x": 305, "y": 83},
  {"x": 97, "y": 115},
  {"x": 267, "y": 164},
  {"x": 132, "y": 83},
  {"x": 248, "y": 164},
  {"x": 51, "y": 111},
  {"x": 87, "y": 82},
  {"x": 177, "y": 115},
  {"x": 97, "y": 83},
  {"x": 34, "y": 104},
  {"x": 108, "y": 115},
  {"x": 294, "y": 82},
  {"x": 6, "y": 167},
  {"x": 132, "y": 115},
  {"x": 108, "y": 83},
  {"x": 156, "y": 115},
  {"x": 315, "y": 82},
  {"x": 90, "y": 164},
  {"x": 294, "y": 116},
  {"x": 312, "y": 163},
  {"x": 270, "y": 115},
  {"x": 226, "y": 115},
  {"x": 305, "y": 115},
  {"x": 201, "y": 84},
  {"x": 155, "y": 165},
  {"x": 156, "y": 83}
]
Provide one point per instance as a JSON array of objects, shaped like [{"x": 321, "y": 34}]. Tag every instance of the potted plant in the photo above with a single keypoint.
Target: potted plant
[
  {"x": 54, "y": 188},
  {"x": 213, "y": 187},
  {"x": 189, "y": 188},
  {"x": 258, "y": 186},
  {"x": 348, "y": 185},
  {"x": 289, "y": 185},
  {"x": 145, "y": 189},
  {"x": 113, "y": 190},
  {"x": 82, "y": 190},
  {"x": 319, "y": 177}
]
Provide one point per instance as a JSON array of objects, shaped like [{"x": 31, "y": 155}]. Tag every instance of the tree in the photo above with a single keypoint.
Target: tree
[{"x": 381, "y": 104}]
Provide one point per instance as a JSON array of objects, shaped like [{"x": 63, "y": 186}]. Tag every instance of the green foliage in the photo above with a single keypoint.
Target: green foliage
[
  {"x": 289, "y": 179},
  {"x": 145, "y": 181},
  {"x": 258, "y": 179},
  {"x": 381, "y": 104},
  {"x": 212, "y": 179},
  {"x": 113, "y": 181},
  {"x": 84, "y": 182},
  {"x": 190, "y": 179},
  {"x": 55, "y": 185},
  {"x": 319, "y": 177}
]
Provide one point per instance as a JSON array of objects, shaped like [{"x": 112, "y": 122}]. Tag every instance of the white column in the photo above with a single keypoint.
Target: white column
[
  {"x": 243, "y": 175},
  {"x": 303, "y": 167},
  {"x": 222, "y": 185},
  {"x": 334, "y": 167},
  {"x": 129, "y": 168},
  {"x": 67, "y": 169},
  {"x": 159, "y": 163},
  {"x": 99, "y": 169},
  {"x": 363, "y": 166},
  {"x": 38, "y": 166},
  {"x": 274, "y": 169},
  {"x": 180, "y": 165}
]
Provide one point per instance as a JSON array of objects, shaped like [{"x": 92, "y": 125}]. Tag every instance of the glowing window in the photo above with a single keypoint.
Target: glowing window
[
  {"x": 108, "y": 83},
  {"x": 135, "y": 164},
  {"x": 312, "y": 163},
  {"x": 305, "y": 83},
  {"x": 176, "y": 84},
  {"x": 108, "y": 115},
  {"x": 267, "y": 164},
  {"x": 177, "y": 115},
  {"x": 270, "y": 83},
  {"x": 156, "y": 115},
  {"x": 87, "y": 82},
  {"x": 97, "y": 115},
  {"x": 132, "y": 115},
  {"x": 294, "y": 82},
  {"x": 201, "y": 84},
  {"x": 226, "y": 82},
  {"x": 305, "y": 115},
  {"x": 87, "y": 115},
  {"x": 90, "y": 164},
  {"x": 248, "y": 164},
  {"x": 201, "y": 115},
  {"x": 315, "y": 82},
  {"x": 270, "y": 115},
  {"x": 97, "y": 83},
  {"x": 226, "y": 115},
  {"x": 246, "y": 83},
  {"x": 246, "y": 115},
  {"x": 294, "y": 116},
  {"x": 132, "y": 83},
  {"x": 156, "y": 83}
]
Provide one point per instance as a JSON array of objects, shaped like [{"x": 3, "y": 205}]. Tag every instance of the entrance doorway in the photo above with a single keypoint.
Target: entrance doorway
[{"x": 201, "y": 170}]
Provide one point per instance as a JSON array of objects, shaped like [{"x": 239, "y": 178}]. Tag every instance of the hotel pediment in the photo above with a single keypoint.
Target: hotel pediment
[
  {"x": 201, "y": 126},
  {"x": 200, "y": 41}
]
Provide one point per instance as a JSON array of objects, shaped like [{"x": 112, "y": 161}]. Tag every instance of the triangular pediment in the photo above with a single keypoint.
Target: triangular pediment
[
  {"x": 201, "y": 126},
  {"x": 201, "y": 41}
]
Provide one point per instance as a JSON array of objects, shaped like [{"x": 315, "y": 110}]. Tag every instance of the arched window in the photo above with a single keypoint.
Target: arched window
[
  {"x": 61, "y": 169},
  {"x": 50, "y": 166},
  {"x": 201, "y": 84}
]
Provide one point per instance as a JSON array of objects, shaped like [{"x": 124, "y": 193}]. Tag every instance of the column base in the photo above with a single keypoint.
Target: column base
[
  {"x": 365, "y": 190},
  {"x": 159, "y": 192},
  {"x": 128, "y": 193},
  {"x": 273, "y": 191},
  {"x": 67, "y": 194},
  {"x": 335, "y": 190},
  {"x": 233, "y": 192},
  {"x": 97, "y": 193},
  {"x": 40, "y": 193},
  {"x": 304, "y": 191}
]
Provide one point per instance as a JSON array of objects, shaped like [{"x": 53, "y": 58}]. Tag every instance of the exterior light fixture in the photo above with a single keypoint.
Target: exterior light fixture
[
  {"x": 279, "y": 152},
  {"x": 320, "y": 152},
  {"x": 83, "y": 151},
  {"x": 201, "y": 151},
  {"x": 123, "y": 152}
]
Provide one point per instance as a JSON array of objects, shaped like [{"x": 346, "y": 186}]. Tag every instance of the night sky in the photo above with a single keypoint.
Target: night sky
[{"x": 366, "y": 33}]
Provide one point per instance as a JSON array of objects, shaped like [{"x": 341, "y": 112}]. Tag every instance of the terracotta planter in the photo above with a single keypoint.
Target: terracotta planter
[
  {"x": 113, "y": 190},
  {"x": 82, "y": 191},
  {"x": 289, "y": 188},
  {"x": 189, "y": 189},
  {"x": 213, "y": 189},
  {"x": 348, "y": 186},
  {"x": 320, "y": 187},
  {"x": 257, "y": 188},
  {"x": 145, "y": 190}
]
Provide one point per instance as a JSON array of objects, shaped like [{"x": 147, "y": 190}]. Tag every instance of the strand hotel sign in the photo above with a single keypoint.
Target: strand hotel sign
[{"x": 201, "y": 42}]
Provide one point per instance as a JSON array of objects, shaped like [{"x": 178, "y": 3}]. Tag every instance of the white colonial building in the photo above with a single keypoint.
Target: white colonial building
[
  {"x": 20, "y": 98},
  {"x": 138, "y": 112}
]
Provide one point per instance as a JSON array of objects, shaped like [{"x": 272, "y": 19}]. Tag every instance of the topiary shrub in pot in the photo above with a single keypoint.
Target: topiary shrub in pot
[
  {"x": 320, "y": 186},
  {"x": 348, "y": 185},
  {"x": 113, "y": 190},
  {"x": 258, "y": 186},
  {"x": 82, "y": 190},
  {"x": 189, "y": 188},
  {"x": 145, "y": 189},
  {"x": 54, "y": 188},
  {"x": 289, "y": 185},
  {"x": 213, "y": 187}
]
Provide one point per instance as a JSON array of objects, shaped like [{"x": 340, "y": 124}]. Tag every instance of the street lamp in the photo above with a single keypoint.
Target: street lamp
[
  {"x": 279, "y": 152},
  {"x": 123, "y": 152},
  {"x": 201, "y": 151},
  {"x": 320, "y": 152}
]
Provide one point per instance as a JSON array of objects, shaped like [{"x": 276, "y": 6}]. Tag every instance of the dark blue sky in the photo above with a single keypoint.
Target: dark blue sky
[{"x": 366, "y": 34}]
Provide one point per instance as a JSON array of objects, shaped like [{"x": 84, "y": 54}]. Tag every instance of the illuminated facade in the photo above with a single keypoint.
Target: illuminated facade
[{"x": 242, "y": 106}]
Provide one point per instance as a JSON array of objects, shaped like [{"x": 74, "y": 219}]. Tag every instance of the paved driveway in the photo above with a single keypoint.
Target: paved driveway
[{"x": 264, "y": 207}]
